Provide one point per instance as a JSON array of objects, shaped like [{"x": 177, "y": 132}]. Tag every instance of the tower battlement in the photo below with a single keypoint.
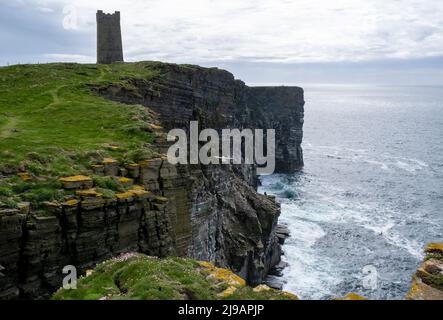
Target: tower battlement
[
  {"x": 102, "y": 15},
  {"x": 109, "y": 37}
]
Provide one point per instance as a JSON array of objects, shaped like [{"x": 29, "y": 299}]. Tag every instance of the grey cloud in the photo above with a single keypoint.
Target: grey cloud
[
  {"x": 243, "y": 36},
  {"x": 29, "y": 31}
]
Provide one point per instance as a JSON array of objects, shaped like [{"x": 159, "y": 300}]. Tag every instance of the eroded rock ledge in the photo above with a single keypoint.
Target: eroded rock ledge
[
  {"x": 210, "y": 213},
  {"x": 427, "y": 282}
]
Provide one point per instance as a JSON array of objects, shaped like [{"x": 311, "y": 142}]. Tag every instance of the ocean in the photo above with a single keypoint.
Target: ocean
[{"x": 370, "y": 195}]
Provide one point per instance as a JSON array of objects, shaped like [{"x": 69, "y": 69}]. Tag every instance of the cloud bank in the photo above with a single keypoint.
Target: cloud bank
[{"x": 229, "y": 31}]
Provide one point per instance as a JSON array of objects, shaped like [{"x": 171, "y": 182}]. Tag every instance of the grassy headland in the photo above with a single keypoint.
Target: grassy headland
[{"x": 52, "y": 125}]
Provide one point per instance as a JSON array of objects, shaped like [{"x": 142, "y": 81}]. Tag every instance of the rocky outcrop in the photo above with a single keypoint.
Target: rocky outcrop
[
  {"x": 427, "y": 283},
  {"x": 138, "y": 277},
  {"x": 35, "y": 248},
  {"x": 210, "y": 213},
  {"x": 221, "y": 216}
]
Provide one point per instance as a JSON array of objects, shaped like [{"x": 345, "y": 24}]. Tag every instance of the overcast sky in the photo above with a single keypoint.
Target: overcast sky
[{"x": 260, "y": 41}]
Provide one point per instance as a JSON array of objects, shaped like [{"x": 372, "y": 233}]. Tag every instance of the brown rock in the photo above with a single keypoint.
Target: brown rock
[{"x": 422, "y": 291}]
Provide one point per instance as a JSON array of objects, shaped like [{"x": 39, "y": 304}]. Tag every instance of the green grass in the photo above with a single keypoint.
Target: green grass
[
  {"x": 147, "y": 278},
  {"x": 108, "y": 183},
  {"x": 434, "y": 280},
  {"x": 45, "y": 108},
  {"x": 52, "y": 125}
]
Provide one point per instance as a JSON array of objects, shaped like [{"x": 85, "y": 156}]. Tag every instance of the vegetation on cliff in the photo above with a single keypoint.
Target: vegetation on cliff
[
  {"x": 140, "y": 277},
  {"x": 52, "y": 125}
]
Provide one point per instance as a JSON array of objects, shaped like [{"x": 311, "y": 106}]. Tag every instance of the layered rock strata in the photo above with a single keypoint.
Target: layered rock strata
[
  {"x": 210, "y": 213},
  {"x": 427, "y": 283},
  {"x": 227, "y": 221}
]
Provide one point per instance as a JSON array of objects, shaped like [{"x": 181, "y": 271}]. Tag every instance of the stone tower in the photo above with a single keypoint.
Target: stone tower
[{"x": 109, "y": 38}]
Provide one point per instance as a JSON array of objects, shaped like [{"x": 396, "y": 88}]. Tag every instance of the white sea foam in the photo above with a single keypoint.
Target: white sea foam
[
  {"x": 384, "y": 161},
  {"x": 369, "y": 192},
  {"x": 310, "y": 274}
]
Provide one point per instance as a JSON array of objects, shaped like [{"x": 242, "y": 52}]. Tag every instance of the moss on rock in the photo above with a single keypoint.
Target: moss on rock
[
  {"x": 427, "y": 283},
  {"x": 140, "y": 277}
]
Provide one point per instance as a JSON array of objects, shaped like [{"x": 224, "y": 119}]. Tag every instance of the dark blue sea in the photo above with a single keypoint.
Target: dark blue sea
[{"x": 370, "y": 195}]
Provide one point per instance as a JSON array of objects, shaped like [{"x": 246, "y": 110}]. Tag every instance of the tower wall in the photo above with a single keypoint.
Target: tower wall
[{"x": 109, "y": 38}]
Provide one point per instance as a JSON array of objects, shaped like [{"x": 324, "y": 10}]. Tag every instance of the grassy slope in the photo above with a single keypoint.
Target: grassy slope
[
  {"x": 51, "y": 125},
  {"x": 146, "y": 278},
  {"x": 43, "y": 107}
]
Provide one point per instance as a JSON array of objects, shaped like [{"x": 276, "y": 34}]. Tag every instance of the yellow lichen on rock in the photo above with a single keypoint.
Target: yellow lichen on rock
[
  {"x": 228, "y": 292},
  {"x": 114, "y": 148},
  {"x": 139, "y": 193},
  {"x": 109, "y": 161},
  {"x": 76, "y": 182},
  {"x": 434, "y": 247},
  {"x": 265, "y": 288},
  {"x": 228, "y": 276},
  {"x": 223, "y": 275},
  {"x": 124, "y": 195},
  {"x": 89, "y": 193},
  {"x": 261, "y": 287},
  {"x": 206, "y": 264},
  {"x": 79, "y": 178},
  {"x": 24, "y": 176},
  {"x": 124, "y": 180},
  {"x": 70, "y": 203},
  {"x": 352, "y": 296}
]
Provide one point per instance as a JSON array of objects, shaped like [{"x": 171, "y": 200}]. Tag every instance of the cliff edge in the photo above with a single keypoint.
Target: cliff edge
[
  {"x": 84, "y": 177},
  {"x": 139, "y": 277}
]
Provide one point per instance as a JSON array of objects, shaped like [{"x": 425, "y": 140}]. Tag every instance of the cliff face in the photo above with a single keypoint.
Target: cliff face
[
  {"x": 35, "y": 248},
  {"x": 217, "y": 101},
  {"x": 210, "y": 213},
  {"x": 224, "y": 220}
]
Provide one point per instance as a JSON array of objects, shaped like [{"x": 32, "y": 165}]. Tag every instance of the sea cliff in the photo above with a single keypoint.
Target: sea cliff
[{"x": 210, "y": 213}]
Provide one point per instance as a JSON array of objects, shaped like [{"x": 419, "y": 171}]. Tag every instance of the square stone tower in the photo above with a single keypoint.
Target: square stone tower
[{"x": 109, "y": 38}]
